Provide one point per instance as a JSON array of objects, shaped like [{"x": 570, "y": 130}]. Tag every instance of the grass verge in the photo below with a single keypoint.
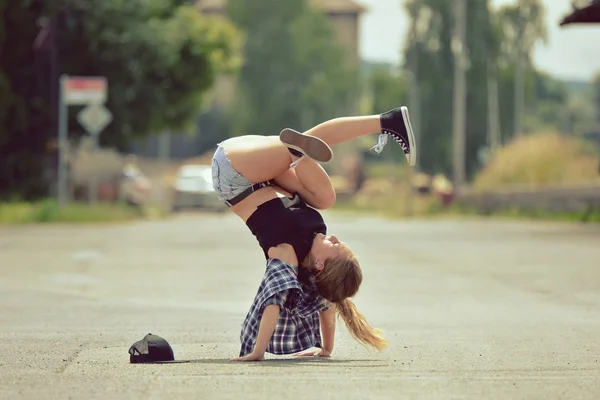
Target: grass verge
[
  {"x": 48, "y": 211},
  {"x": 537, "y": 160},
  {"x": 396, "y": 202},
  {"x": 588, "y": 216}
]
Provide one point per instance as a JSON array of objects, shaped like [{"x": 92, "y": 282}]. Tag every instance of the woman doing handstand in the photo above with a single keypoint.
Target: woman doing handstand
[{"x": 276, "y": 184}]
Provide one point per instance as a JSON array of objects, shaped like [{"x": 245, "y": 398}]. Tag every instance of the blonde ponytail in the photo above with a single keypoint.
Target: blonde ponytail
[
  {"x": 337, "y": 283},
  {"x": 358, "y": 326}
]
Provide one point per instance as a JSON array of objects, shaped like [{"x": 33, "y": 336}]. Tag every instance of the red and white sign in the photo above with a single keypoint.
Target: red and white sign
[{"x": 77, "y": 90}]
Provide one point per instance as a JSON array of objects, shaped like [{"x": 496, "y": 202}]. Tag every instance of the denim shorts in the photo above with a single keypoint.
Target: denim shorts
[{"x": 227, "y": 182}]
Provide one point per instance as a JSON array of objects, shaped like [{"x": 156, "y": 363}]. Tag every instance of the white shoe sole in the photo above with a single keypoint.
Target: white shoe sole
[
  {"x": 311, "y": 146},
  {"x": 411, "y": 157}
]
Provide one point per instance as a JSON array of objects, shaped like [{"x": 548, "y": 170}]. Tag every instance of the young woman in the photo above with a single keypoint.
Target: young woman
[{"x": 276, "y": 184}]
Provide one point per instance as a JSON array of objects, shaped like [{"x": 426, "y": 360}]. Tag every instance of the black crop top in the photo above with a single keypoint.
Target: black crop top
[{"x": 289, "y": 221}]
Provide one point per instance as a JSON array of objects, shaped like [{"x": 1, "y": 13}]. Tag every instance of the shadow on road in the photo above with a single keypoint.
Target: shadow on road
[{"x": 295, "y": 361}]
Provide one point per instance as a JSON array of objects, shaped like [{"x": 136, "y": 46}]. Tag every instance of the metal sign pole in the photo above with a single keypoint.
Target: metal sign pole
[
  {"x": 95, "y": 117},
  {"x": 93, "y": 194},
  {"x": 90, "y": 92},
  {"x": 62, "y": 143}
]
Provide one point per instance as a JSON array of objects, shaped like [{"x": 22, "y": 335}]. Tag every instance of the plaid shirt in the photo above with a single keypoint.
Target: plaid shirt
[{"x": 298, "y": 326}]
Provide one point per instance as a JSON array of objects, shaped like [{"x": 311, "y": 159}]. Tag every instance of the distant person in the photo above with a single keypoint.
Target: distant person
[
  {"x": 275, "y": 185},
  {"x": 130, "y": 168},
  {"x": 135, "y": 187}
]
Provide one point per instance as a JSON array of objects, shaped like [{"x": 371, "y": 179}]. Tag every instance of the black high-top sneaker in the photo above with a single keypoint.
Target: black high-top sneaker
[
  {"x": 396, "y": 123},
  {"x": 301, "y": 145}
]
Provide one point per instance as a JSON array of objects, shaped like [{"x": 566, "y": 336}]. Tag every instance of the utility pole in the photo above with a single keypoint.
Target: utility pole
[
  {"x": 460, "y": 94},
  {"x": 519, "y": 95},
  {"x": 164, "y": 147},
  {"x": 164, "y": 157},
  {"x": 493, "y": 141},
  {"x": 414, "y": 105},
  {"x": 414, "y": 92}
]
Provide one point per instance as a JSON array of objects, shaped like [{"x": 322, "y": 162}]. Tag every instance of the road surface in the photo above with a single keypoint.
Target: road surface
[{"x": 472, "y": 310}]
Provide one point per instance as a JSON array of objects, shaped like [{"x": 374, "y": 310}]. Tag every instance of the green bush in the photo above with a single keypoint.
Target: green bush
[{"x": 545, "y": 158}]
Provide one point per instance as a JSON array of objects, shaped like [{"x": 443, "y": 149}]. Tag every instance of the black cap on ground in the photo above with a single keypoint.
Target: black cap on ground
[{"x": 150, "y": 349}]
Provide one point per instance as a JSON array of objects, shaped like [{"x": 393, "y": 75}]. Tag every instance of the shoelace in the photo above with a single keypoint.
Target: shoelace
[
  {"x": 295, "y": 163},
  {"x": 382, "y": 141}
]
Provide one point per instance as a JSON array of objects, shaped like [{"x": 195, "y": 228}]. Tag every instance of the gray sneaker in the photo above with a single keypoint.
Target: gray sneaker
[{"x": 300, "y": 145}]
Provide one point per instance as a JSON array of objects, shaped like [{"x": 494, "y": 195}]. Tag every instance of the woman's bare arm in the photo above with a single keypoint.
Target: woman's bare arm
[
  {"x": 284, "y": 252},
  {"x": 270, "y": 316},
  {"x": 327, "y": 319},
  {"x": 268, "y": 322}
]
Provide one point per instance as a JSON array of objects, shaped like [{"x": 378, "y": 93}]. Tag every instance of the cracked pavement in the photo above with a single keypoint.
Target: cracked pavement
[{"x": 473, "y": 309}]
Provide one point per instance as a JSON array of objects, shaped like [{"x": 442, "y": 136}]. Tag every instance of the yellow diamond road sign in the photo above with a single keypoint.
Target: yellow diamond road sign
[{"x": 94, "y": 118}]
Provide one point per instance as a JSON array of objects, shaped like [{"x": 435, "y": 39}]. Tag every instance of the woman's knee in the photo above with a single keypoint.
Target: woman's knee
[{"x": 325, "y": 200}]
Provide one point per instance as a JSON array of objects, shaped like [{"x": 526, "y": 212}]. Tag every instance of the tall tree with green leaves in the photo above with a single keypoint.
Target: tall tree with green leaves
[
  {"x": 383, "y": 88},
  {"x": 430, "y": 47},
  {"x": 522, "y": 26},
  {"x": 159, "y": 57},
  {"x": 480, "y": 37},
  {"x": 294, "y": 72},
  {"x": 386, "y": 89},
  {"x": 495, "y": 42}
]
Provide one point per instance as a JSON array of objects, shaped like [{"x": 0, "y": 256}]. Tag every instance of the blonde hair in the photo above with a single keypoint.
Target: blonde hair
[{"x": 337, "y": 282}]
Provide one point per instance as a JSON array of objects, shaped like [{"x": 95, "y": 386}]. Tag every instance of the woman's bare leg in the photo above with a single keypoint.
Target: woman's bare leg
[
  {"x": 340, "y": 130},
  {"x": 257, "y": 158},
  {"x": 317, "y": 192},
  {"x": 261, "y": 158},
  {"x": 393, "y": 124}
]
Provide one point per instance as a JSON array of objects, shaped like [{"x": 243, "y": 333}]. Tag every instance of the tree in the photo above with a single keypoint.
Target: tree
[
  {"x": 596, "y": 94},
  {"x": 385, "y": 88},
  {"x": 480, "y": 37},
  {"x": 491, "y": 39},
  {"x": 522, "y": 27},
  {"x": 159, "y": 57},
  {"x": 388, "y": 90},
  {"x": 430, "y": 47},
  {"x": 294, "y": 72},
  {"x": 23, "y": 114}
]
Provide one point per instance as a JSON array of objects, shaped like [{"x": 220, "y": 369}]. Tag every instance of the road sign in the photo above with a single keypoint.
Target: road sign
[
  {"x": 80, "y": 90},
  {"x": 94, "y": 118},
  {"x": 77, "y": 90}
]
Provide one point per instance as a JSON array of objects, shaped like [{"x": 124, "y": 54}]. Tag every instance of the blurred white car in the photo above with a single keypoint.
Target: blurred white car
[{"x": 193, "y": 189}]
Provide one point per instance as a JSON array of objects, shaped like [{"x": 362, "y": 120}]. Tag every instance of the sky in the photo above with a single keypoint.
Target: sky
[{"x": 571, "y": 52}]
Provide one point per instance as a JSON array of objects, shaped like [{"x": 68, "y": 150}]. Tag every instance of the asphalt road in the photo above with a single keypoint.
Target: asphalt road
[{"x": 475, "y": 310}]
